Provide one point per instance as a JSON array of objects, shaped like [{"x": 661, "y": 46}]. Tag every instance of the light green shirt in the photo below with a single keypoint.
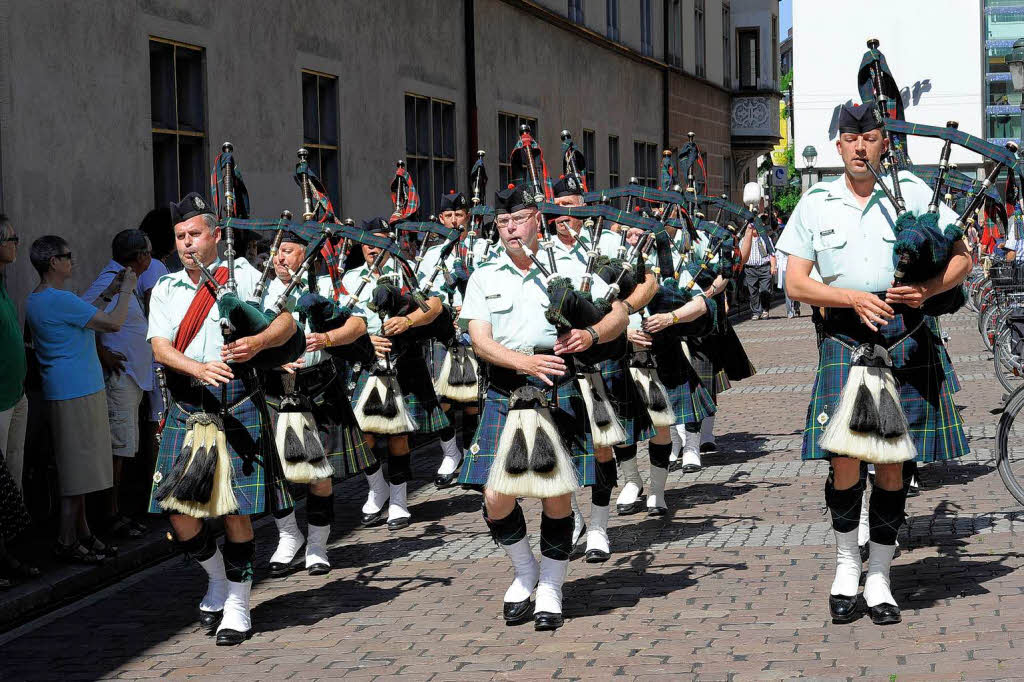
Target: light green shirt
[
  {"x": 514, "y": 301},
  {"x": 852, "y": 247},
  {"x": 426, "y": 271},
  {"x": 172, "y": 295},
  {"x": 351, "y": 281}
]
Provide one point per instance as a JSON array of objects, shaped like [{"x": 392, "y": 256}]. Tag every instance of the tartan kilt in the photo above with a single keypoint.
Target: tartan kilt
[
  {"x": 626, "y": 401},
  {"x": 569, "y": 418},
  {"x": 936, "y": 427},
  {"x": 435, "y": 352},
  {"x": 250, "y": 443},
  {"x": 703, "y": 363},
  {"x": 417, "y": 390},
  {"x": 947, "y": 362},
  {"x": 340, "y": 434},
  {"x": 722, "y": 383},
  {"x": 691, "y": 401}
]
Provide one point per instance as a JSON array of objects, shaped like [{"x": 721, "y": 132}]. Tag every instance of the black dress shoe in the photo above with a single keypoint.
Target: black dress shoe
[
  {"x": 375, "y": 517},
  {"x": 210, "y": 619},
  {"x": 627, "y": 509},
  {"x": 319, "y": 569},
  {"x": 596, "y": 556},
  {"x": 232, "y": 637},
  {"x": 543, "y": 620},
  {"x": 657, "y": 511},
  {"x": 399, "y": 523},
  {"x": 516, "y": 612},
  {"x": 446, "y": 480},
  {"x": 885, "y": 614},
  {"x": 843, "y": 609},
  {"x": 279, "y": 570},
  {"x": 710, "y": 446}
]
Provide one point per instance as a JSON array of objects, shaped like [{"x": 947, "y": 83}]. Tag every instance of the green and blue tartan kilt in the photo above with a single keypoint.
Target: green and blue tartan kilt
[
  {"x": 435, "y": 353},
  {"x": 947, "y": 362},
  {"x": 691, "y": 401},
  {"x": 936, "y": 427},
  {"x": 340, "y": 434},
  {"x": 250, "y": 443},
  {"x": 702, "y": 361},
  {"x": 629, "y": 407},
  {"x": 722, "y": 383},
  {"x": 417, "y": 389},
  {"x": 569, "y": 418}
]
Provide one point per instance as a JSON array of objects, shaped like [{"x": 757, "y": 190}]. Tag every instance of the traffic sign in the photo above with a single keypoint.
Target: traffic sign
[{"x": 778, "y": 176}]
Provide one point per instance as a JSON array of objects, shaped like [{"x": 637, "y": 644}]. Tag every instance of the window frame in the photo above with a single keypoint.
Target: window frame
[
  {"x": 727, "y": 45},
  {"x": 614, "y": 161},
  {"x": 741, "y": 34},
  {"x": 612, "y": 19},
  {"x": 575, "y": 12},
  {"x": 177, "y": 132},
  {"x": 646, "y": 28},
  {"x": 590, "y": 153},
  {"x": 430, "y": 198},
  {"x": 319, "y": 147},
  {"x": 504, "y": 166},
  {"x": 645, "y": 158},
  {"x": 700, "y": 40},
  {"x": 674, "y": 49}
]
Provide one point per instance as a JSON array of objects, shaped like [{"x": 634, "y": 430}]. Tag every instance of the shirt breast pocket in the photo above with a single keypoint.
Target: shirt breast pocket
[
  {"x": 828, "y": 251},
  {"x": 499, "y": 307}
]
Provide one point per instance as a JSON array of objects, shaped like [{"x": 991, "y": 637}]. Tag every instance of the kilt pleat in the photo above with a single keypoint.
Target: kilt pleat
[
  {"x": 691, "y": 400},
  {"x": 629, "y": 407},
  {"x": 417, "y": 389},
  {"x": 250, "y": 446},
  {"x": 935, "y": 424},
  {"x": 947, "y": 362},
  {"x": 569, "y": 418}
]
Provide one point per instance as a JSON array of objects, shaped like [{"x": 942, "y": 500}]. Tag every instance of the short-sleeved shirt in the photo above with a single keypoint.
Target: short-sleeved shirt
[
  {"x": 171, "y": 299},
  {"x": 65, "y": 348},
  {"x": 150, "y": 277},
  {"x": 353, "y": 278},
  {"x": 514, "y": 301},
  {"x": 852, "y": 247},
  {"x": 130, "y": 341},
  {"x": 12, "y": 349},
  {"x": 429, "y": 262},
  {"x": 325, "y": 289}
]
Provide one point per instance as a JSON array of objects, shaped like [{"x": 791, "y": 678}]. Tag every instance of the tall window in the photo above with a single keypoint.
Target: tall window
[
  {"x": 775, "y": 50},
  {"x": 699, "y": 40},
  {"x": 177, "y": 98},
  {"x": 727, "y": 177},
  {"x": 613, "y": 161},
  {"x": 320, "y": 128},
  {"x": 750, "y": 65},
  {"x": 674, "y": 55},
  {"x": 590, "y": 151},
  {"x": 430, "y": 148},
  {"x": 508, "y": 135},
  {"x": 726, "y": 46},
  {"x": 645, "y": 162},
  {"x": 576, "y": 11},
  {"x": 612, "y": 7},
  {"x": 646, "y": 28}
]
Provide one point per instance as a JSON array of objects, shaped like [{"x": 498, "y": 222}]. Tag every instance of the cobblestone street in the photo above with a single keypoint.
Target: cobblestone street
[{"x": 733, "y": 584}]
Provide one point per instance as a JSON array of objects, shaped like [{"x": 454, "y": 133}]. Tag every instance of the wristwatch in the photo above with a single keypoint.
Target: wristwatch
[
  {"x": 675, "y": 318},
  {"x": 594, "y": 338}
]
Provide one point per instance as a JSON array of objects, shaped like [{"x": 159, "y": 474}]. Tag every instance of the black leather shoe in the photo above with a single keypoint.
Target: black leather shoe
[
  {"x": 375, "y": 517},
  {"x": 635, "y": 508},
  {"x": 399, "y": 523},
  {"x": 210, "y": 619},
  {"x": 279, "y": 570},
  {"x": 319, "y": 569},
  {"x": 843, "y": 609},
  {"x": 709, "y": 447},
  {"x": 446, "y": 480},
  {"x": 543, "y": 620},
  {"x": 232, "y": 637},
  {"x": 516, "y": 612},
  {"x": 885, "y": 614},
  {"x": 596, "y": 556},
  {"x": 657, "y": 511}
]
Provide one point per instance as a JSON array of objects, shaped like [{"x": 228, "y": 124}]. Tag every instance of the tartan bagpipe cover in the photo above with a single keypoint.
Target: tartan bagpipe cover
[
  {"x": 406, "y": 209},
  {"x": 323, "y": 212},
  {"x": 217, "y": 187}
]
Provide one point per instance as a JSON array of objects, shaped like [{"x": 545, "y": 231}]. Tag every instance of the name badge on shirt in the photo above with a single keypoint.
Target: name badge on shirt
[
  {"x": 492, "y": 296},
  {"x": 825, "y": 233}
]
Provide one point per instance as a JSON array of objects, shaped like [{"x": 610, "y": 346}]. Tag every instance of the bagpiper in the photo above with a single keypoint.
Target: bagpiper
[
  {"x": 308, "y": 402},
  {"x": 217, "y": 456}
]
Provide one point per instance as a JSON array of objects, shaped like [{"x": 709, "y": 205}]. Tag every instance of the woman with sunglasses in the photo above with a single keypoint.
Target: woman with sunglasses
[{"x": 64, "y": 331}]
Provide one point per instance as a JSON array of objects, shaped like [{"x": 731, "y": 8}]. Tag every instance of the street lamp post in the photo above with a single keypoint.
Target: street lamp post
[
  {"x": 1016, "y": 64},
  {"x": 810, "y": 155}
]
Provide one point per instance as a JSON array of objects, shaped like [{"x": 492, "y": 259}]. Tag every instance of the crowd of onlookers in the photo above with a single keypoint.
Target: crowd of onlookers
[{"x": 85, "y": 361}]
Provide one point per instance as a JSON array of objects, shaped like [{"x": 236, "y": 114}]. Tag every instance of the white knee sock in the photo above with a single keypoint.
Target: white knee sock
[
  {"x": 236, "y": 608},
  {"x": 527, "y": 571},
  {"x": 707, "y": 430},
  {"x": 378, "y": 494},
  {"x": 597, "y": 532},
  {"x": 452, "y": 457},
  {"x": 633, "y": 484},
  {"x": 549, "y": 588},
  {"x": 217, "y": 585},
  {"x": 289, "y": 539},
  {"x": 876, "y": 584},
  {"x": 316, "y": 546},
  {"x": 656, "y": 491},
  {"x": 847, "y": 580},
  {"x": 398, "y": 508}
]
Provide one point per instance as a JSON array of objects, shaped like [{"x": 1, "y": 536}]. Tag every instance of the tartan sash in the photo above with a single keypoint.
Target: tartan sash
[{"x": 197, "y": 312}]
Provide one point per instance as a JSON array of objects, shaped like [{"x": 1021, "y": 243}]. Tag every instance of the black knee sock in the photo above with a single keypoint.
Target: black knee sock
[
  {"x": 607, "y": 477},
  {"x": 508, "y": 530},
  {"x": 201, "y": 546},
  {"x": 469, "y": 424},
  {"x": 844, "y": 504},
  {"x": 556, "y": 537},
  {"x": 447, "y": 433},
  {"x": 886, "y": 511},
  {"x": 281, "y": 513},
  {"x": 372, "y": 469},
  {"x": 624, "y": 453},
  {"x": 659, "y": 453},
  {"x": 694, "y": 427},
  {"x": 320, "y": 510},
  {"x": 399, "y": 469},
  {"x": 238, "y": 560}
]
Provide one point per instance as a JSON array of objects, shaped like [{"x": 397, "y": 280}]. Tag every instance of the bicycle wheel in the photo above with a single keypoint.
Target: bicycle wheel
[
  {"x": 978, "y": 295},
  {"x": 1007, "y": 364},
  {"x": 1010, "y": 454},
  {"x": 987, "y": 326}
]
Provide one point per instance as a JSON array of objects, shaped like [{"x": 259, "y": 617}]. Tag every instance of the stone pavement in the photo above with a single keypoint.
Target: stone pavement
[{"x": 732, "y": 585}]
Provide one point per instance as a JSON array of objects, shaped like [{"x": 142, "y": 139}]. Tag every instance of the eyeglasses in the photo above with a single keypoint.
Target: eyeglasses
[
  {"x": 67, "y": 255},
  {"x": 520, "y": 219}
]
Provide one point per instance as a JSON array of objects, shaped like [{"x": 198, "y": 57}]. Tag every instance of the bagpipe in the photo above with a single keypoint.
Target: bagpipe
[{"x": 478, "y": 186}]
